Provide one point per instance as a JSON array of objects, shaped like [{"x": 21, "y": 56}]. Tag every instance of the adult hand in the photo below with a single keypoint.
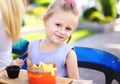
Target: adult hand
[{"x": 18, "y": 62}]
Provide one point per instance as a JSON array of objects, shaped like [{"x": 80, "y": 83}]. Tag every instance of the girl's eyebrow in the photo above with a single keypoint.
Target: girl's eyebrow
[{"x": 70, "y": 27}]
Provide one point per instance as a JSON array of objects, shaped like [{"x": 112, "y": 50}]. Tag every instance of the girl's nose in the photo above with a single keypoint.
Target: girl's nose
[{"x": 62, "y": 31}]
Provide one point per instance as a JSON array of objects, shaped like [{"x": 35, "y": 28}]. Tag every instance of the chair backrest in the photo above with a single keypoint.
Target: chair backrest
[
  {"x": 100, "y": 60},
  {"x": 20, "y": 47}
]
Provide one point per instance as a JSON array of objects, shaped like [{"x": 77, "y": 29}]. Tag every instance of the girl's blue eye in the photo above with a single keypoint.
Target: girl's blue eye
[
  {"x": 68, "y": 28},
  {"x": 57, "y": 24}
]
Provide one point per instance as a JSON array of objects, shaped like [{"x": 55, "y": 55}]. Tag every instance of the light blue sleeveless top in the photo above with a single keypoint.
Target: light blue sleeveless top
[{"x": 58, "y": 56}]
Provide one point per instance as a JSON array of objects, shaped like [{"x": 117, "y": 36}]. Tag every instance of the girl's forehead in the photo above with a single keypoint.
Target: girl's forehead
[
  {"x": 64, "y": 14},
  {"x": 65, "y": 17}
]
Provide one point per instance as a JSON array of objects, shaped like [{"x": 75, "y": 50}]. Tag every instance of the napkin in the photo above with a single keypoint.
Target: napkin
[{"x": 81, "y": 82}]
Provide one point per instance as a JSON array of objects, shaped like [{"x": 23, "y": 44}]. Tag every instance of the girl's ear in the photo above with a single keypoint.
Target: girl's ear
[{"x": 44, "y": 20}]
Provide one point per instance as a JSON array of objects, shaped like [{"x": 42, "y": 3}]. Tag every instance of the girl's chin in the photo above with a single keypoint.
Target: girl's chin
[{"x": 57, "y": 41}]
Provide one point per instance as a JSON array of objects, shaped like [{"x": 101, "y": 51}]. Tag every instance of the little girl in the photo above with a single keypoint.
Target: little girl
[{"x": 60, "y": 21}]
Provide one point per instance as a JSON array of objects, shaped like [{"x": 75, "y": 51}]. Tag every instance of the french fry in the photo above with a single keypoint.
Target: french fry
[
  {"x": 35, "y": 66},
  {"x": 44, "y": 68}
]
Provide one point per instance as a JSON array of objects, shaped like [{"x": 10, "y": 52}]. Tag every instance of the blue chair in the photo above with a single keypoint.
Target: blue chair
[
  {"x": 100, "y": 60},
  {"x": 20, "y": 48}
]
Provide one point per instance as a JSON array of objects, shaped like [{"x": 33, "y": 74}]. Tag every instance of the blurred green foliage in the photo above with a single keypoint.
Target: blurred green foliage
[
  {"x": 15, "y": 56},
  {"x": 36, "y": 11},
  {"x": 44, "y": 3},
  {"x": 88, "y": 12},
  {"x": 81, "y": 33},
  {"x": 107, "y": 19},
  {"x": 92, "y": 14},
  {"x": 107, "y": 14},
  {"x": 109, "y": 7}
]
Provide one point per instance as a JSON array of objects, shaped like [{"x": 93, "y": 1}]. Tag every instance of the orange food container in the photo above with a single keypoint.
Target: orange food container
[{"x": 41, "y": 78}]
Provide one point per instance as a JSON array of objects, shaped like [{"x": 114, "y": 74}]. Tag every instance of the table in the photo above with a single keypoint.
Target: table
[{"x": 23, "y": 79}]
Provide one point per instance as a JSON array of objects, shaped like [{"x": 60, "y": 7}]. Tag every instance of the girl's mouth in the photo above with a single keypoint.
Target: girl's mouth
[{"x": 59, "y": 36}]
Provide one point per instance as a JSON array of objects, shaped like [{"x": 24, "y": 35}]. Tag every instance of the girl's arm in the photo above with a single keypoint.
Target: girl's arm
[
  {"x": 28, "y": 58},
  {"x": 71, "y": 65}
]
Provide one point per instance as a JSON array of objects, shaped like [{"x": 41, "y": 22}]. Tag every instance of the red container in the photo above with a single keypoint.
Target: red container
[{"x": 41, "y": 78}]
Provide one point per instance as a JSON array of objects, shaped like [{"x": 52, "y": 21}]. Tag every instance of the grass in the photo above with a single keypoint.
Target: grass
[
  {"x": 78, "y": 34},
  {"x": 81, "y": 33},
  {"x": 34, "y": 36}
]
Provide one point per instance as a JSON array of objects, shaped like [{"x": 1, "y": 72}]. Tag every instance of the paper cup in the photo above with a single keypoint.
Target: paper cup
[{"x": 13, "y": 71}]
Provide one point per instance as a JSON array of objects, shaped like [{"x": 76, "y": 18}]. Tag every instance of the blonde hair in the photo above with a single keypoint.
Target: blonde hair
[
  {"x": 12, "y": 11},
  {"x": 62, "y": 5}
]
